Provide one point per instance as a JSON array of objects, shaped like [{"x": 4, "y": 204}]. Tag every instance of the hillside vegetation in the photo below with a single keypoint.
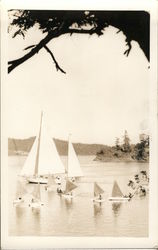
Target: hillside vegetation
[{"x": 119, "y": 152}]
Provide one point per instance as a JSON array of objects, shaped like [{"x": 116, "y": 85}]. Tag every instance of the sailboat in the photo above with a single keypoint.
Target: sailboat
[
  {"x": 20, "y": 192},
  {"x": 36, "y": 200},
  {"x": 43, "y": 158},
  {"x": 70, "y": 186},
  {"x": 97, "y": 193},
  {"x": 73, "y": 167},
  {"x": 117, "y": 195}
]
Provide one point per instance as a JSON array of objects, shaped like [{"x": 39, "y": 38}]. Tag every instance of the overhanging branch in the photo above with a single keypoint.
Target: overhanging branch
[
  {"x": 56, "y": 64},
  {"x": 13, "y": 64}
]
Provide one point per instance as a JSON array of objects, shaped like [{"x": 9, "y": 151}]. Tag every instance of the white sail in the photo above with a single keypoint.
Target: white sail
[
  {"x": 49, "y": 159},
  {"x": 43, "y": 158},
  {"x": 97, "y": 189},
  {"x": 29, "y": 165},
  {"x": 73, "y": 169},
  {"x": 116, "y": 191}
]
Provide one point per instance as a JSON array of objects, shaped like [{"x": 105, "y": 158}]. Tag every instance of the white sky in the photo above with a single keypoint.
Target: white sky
[{"x": 103, "y": 93}]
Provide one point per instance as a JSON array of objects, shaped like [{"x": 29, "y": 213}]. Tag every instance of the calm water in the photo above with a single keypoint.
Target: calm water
[{"x": 80, "y": 217}]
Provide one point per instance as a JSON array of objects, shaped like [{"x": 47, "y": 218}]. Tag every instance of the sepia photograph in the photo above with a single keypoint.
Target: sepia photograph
[{"x": 80, "y": 144}]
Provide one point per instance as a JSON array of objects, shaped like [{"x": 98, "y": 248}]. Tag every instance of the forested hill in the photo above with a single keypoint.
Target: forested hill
[
  {"x": 119, "y": 152},
  {"x": 23, "y": 146}
]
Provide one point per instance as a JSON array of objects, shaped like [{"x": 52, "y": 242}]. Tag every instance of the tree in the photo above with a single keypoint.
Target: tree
[
  {"x": 142, "y": 149},
  {"x": 134, "y": 24},
  {"x": 126, "y": 143},
  {"x": 117, "y": 143}
]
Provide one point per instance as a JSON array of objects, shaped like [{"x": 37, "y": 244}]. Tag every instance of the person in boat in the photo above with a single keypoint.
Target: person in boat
[
  {"x": 73, "y": 179},
  {"x": 59, "y": 191},
  {"x": 58, "y": 179},
  {"x": 70, "y": 193},
  {"x": 100, "y": 197}
]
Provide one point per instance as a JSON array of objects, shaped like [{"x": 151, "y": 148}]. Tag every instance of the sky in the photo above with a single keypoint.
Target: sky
[{"x": 102, "y": 94}]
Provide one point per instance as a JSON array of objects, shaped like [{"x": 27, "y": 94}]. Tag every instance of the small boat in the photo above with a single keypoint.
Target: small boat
[
  {"x": 73, "y": 170},
  {"x": 70, "y": 186},
  {"x": 36, "y": 200},
  {"x": 43, "y": 159},
  {"x": 117, "y": 195},
  {"x": 20, "y": 192},
  {"x": 97, "y": 193}
]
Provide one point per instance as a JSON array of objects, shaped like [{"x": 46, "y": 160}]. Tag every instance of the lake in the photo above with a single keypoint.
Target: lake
[{"x": 80, "y": 216}]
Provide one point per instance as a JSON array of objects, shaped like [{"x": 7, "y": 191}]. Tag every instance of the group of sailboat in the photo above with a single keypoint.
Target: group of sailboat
[
  {"x": 117, "y": 195},
  {"x": 44, "y": 166}
]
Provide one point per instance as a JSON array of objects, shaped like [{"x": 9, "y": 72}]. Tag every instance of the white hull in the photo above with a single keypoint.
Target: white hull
[
  {"x": 98, "y": 200},
  {"x": 36, "y": 204},
  {"x": 18, "y": 202},
  {"x": 119, "y": 199},
  {"x": 67, "y": 196}
]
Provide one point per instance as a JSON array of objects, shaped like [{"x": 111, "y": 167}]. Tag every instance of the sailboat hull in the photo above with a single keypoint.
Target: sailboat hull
[
  {"x": 119, "y": 199},
  {"x": 68, "y": 196},
  {"x": 98, "y": 200},
  {"x": 18, "y": 202},
  {"x": 37, "y": 180},
  {"x": 36, "y": 204}
]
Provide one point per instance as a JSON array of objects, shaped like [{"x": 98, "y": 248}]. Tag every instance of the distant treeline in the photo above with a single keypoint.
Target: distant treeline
[
  {"x": 120, "y": 152},
  {"x": 126, "y": 151},
  {"x": 23, "y": 146}
]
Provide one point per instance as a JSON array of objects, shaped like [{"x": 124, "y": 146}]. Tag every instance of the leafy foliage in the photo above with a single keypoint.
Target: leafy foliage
[{"x": 134, "y": 24}]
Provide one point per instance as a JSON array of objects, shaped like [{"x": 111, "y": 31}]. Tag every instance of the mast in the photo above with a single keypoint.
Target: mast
[
  {"x": 38, "y": 148},
  {"x": 68, "y": 158}
]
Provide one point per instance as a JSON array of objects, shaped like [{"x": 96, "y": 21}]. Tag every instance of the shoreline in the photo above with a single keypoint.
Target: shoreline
[
  {"x": 96, "y": 158},
  {"x": 106, "y": 159}
]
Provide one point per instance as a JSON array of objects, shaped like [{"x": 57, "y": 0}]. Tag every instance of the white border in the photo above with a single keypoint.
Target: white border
[{"x": 84, "y": 242}]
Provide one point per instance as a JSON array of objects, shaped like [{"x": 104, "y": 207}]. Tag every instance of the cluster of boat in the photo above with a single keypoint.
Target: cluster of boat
[
  {"x": 66, "y": 192},
  {"x": 44, "y": 166}
]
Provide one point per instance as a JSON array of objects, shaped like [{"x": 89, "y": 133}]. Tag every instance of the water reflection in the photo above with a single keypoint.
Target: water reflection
[
  {"x": 19, "y": 210},
  {"x": 68, "y": 203},
  {"x": 20, "y": 213},
  {"x": 36, "y": 219},
  {"x": 97, "y": 209},
  {"x": 116, "y": 208},
  {"x": 50, "y": 196}
]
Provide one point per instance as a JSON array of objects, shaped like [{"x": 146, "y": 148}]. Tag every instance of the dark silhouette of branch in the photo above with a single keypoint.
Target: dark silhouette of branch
[
  {"x": 56, "y": 64},
  {"x": 29, "y": 47},
  {"x": 35, "y": 48},
  {"x": 52, "y": 34},
  {"x": 83, "y": 31},
  {"x": 135, "y": 25},
  {"x": 129, "y": 47}
]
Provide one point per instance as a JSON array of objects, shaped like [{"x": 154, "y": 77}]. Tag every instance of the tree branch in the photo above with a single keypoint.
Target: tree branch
[
  {"x": 53, "y": 34},
  {"x": 128, "y": 43},
  {"x": 56, "y": 64},
  {"x": 81, "y": 31}
]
